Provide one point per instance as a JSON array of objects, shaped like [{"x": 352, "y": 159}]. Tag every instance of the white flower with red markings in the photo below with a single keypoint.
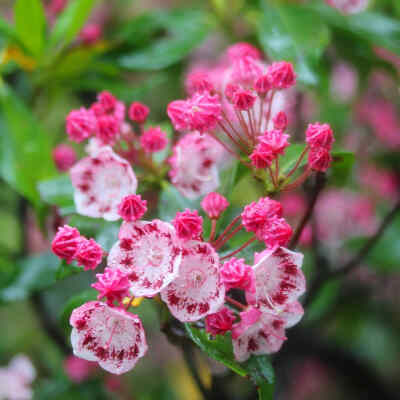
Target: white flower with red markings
[
  {"x": 100, "y": 183},
  {"x": 198, "y": 290},
  {"x": 149, "y": 253},
  {"x": 279, "y": 279},
  {"x": 111, "y": 336}
]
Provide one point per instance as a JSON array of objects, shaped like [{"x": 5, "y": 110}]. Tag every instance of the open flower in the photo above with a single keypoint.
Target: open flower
[
  {"x": 149, "y": 253},
  {"x": 100, "y": 183},
  {"x": 111, "y": 336},
  {"x": 198, "y": 290}
]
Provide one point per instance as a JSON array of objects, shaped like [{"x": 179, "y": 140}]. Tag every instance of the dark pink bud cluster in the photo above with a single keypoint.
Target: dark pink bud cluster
[
  {"x": 282, "y": 75},
  {"x": 132, "y": 207},
  {"x": 319, "y": 138},
  {"x": 69, "y": 245},
  {"x": 188, "y": 224},
  {"x": 91, "y": 33},
  {"x": 113, "y": 284},
  {"x": 214, "y": 204},
  {"x": 138, "y": 112},
  {"x": 198, "y": 82},
  {"x": 235, "y": 274},
  {"x": 81, "y": 124},
  {"x": 153, "y": 140}
]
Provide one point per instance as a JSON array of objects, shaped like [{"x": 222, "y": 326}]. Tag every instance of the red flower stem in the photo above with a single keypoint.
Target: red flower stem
[
  {"x": 277, "y": 170},
  {"x": 213, "y": 228},
  {"x": 300, "y": 159},
  {"x": 220, "y": 243},
  {"x": 234, "y": 130},
  {"x": 252, "y": 128},
  {"x": 239, "y": 116},
  {"x": 130, "y": 303},
  {"x": 235, "y": 303},
  {"x": 269, "y": 108},
  {"x": 262, "y": 99},
  {"x": 232, "y": 138},
  {"x": 298, "y": 181},
  {"x": 243, "y": 246},
  {"x": 272, "y": 176},
  {"x": 228, "y": 228}
]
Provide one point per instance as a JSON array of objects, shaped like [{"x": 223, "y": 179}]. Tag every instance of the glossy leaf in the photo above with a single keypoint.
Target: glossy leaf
[
  {"x": 289, "y": 159},
  {"x": 185, "y": 29},
  {"x": 261, "y": 373},
  {"x": 34, "y": 273},
  {"x": 292, "y": 33},
  {"x": 30, "y": 24},
  {"x": 57, "y": 191},
  {"x": 25, "y": 148},
  {"x": 219, "y": 348}
]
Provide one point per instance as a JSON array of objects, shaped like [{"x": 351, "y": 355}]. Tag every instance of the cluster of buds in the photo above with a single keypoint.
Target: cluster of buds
[
  {"x": 173, "y": 261},
  {"x": 239, "y": 103}
]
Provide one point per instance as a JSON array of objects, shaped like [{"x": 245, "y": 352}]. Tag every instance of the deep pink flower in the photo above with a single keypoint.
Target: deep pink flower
[
  {"x": 261, "y": 157},
  {"x": 107, "y": 101},
  {"x": 197, "y": 291},
  {"x": 248, "y": 318},
  {"x": 235, "y": 274},
  {"x": 91, "y": 33},
  {"x": 230, "y": 91},
  {"x": 188, "y": 224},
  {"x": 89, "y": 254},
  {"x": 243, "y": 99},
  {"x": 78, "y": 369},
  {"x": 64, "y": 157},
  {"x": 319, "y": 135},
  {"x": 80, "y": 124},
  {"x": 274, "y": 140},
  {"x": 107, "y": 128},
  {"x": 220, "y": 322},
  {"x": 112, "y": 284},
  {"x": 280, "y": 121},
  {"x": 282, "y": 75},
  {"x": 109, "y": 335},
  {"x": 214, "y": 204},
  {"x": 177, "y": 112},
  {"x": 256, "y": 214},
  {"x": 319, "y": 159},
  {"x": 101, "y": 182},
  {"x": 138, "y": 112},
  {"x": 246, "y": 70},
  {"x": 65, "y": 243},
  {"x": 149, "y": 253},
  {"x": 153, "y": 139},
  {"x": 132, "y": 207},
  {"x": 263, "y": 84}
]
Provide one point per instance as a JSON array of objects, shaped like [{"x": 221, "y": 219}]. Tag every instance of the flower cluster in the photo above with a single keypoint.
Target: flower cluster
[
  {"x": 240, "y": 103},
  {"x": 174, "y": 261}
]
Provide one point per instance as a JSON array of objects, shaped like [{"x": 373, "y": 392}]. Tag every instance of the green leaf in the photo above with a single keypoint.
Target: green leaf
[
  {"x": 246, "y": 190},
  {"x": 59, "y": 192},
  {"x": 342, "y": 167},
  {"x": 291, "y": 32},
  {"x": 219, "y": 349},
  {"x": 35, "y": 273},
  {"x": 376, "y": 28},
  {"x": 289, "y": 159},
  {"x": 66, "y": 270},
  {"x": 70, "y": 22},
  {"x": 171, "y": 201},
  {"x": 262, "y": 374},
  {"x": 184, "y": 30},
  {"x": 9, "y": 32},
  {"x": 74, "y": 302},
  {"x": 30, "y": 24},
  {"x": 25, "y": 148}
]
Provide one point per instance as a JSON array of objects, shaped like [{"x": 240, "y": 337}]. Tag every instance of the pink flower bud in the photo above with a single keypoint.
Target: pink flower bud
[
  {"x": 154, "y": 139},
  {"x": 263, "y": 84},
  {"x": 108, "y": 128},
  {"x": 138, "y": 112},
  {"x": 132, "y": 207},
  {"x": 177, "y": 112},
  {"x": 319, "y": 159},
  {"x": 188, "y": 224},
  {"x": 198, "y": 82},
  {"x": 113, "y": 284},
  {"x": 277, "y": 232},
  {"x": 64, "y": 157},
  {"x": 78, "y": 369},
  {"x": 261, "y": 157},
  {"x": 243, "y": 99},
  {"x": 282, "y": 75},
  {"x": 91, "y": 33},
  {"x": 80, "y": 124},
  {"x": 65, "y": 243},
  {"x": 214, "y": 204},
  {"x": 235, "y": 274},
  {"x": 220, "y": 322},
  {"x": 319, "y": 135},
  {"x": 107, "y": 101},
  {"x": 243, "y": 49},
  {"x": 203, "y": 113},
  {"x": 89, "y": 254},
  {"x": 280, "y": 121},
  {"x": 230, "y": 91},
  {"x": 275, "y": 141}
]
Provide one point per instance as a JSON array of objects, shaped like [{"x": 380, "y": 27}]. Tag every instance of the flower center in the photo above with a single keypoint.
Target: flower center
[
  {"x": 195, "y": 279},
  {"x": 155, "y": 257}
]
